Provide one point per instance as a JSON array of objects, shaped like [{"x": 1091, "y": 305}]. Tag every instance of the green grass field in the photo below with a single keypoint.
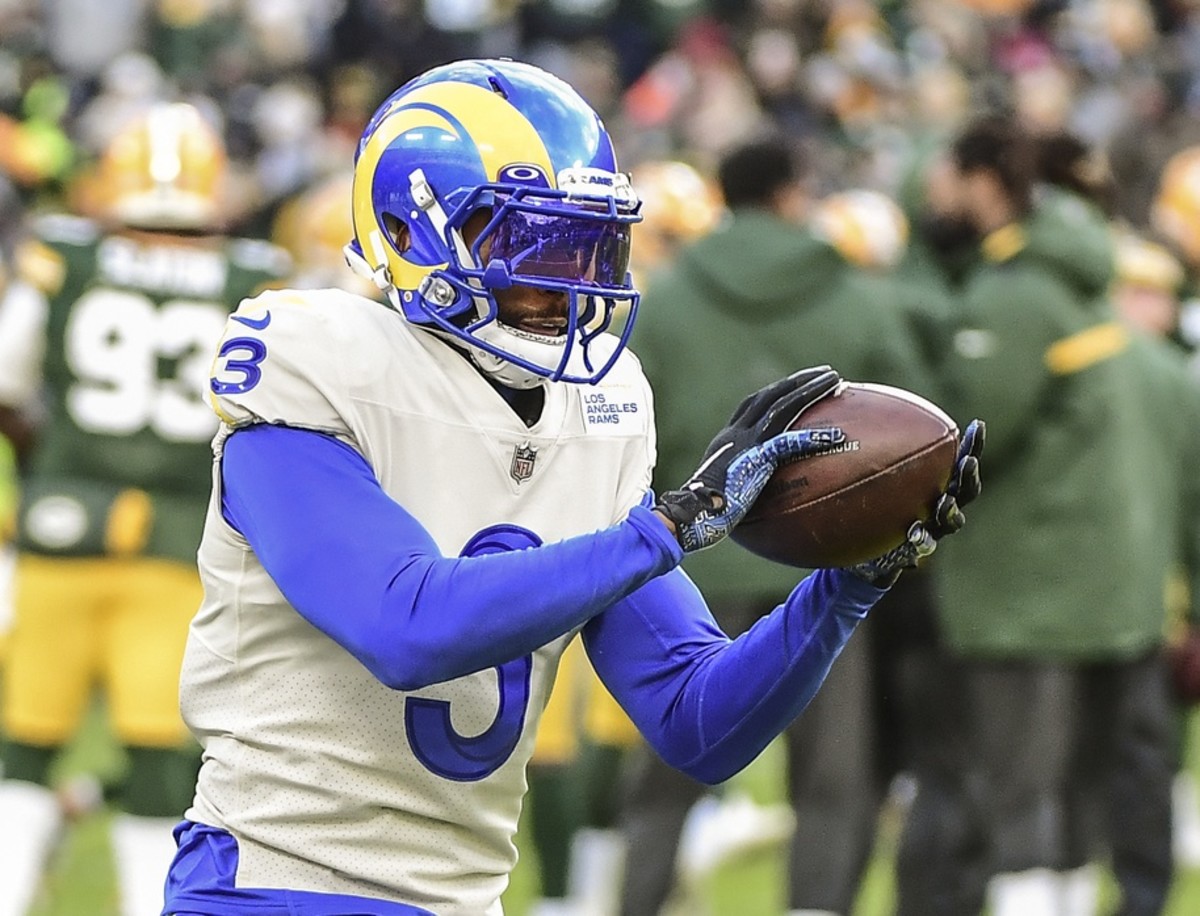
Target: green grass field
[{"x": 81, "y": 883}]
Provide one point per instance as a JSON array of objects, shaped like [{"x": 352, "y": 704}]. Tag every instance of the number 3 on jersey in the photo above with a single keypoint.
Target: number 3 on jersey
[
  {"x": 239, "y": 356},
  {"x": 431, "y": 734}
]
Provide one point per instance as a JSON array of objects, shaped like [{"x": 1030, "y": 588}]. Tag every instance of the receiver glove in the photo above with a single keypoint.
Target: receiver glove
[{"x": 741, "y": 457}]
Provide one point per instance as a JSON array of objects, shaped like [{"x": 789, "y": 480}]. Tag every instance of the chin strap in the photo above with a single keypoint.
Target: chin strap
[
  {"x": 503, "y": 370},
  {"x": 506, "y": 373},
  {"x": 380, "y": 276}
]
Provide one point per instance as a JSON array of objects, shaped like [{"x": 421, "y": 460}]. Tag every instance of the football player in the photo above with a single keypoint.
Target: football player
[
  {"x": 118, "y": 343},
  {"x": 1146, "y": 293},
  {"x": 417, "y": 507}
]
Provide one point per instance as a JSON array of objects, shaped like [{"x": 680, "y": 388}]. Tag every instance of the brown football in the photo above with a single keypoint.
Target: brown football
[{"x": 857, "y": 500}]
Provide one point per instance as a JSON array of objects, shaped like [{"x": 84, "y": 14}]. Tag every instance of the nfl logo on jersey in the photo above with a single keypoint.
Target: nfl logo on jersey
[{"x": 524, "y": 457}]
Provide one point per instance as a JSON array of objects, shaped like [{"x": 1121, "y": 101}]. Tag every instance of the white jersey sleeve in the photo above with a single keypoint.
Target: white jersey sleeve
[{"x": 277, "y": 362}]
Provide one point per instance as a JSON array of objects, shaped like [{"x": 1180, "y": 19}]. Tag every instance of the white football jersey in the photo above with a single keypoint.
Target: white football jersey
[{"x": 329, "y": 780}]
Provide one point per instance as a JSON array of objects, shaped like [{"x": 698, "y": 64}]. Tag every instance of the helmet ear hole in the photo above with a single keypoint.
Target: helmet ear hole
[
  {"x": 475, "y": 224},
  {"x": 397, "y": 231}
]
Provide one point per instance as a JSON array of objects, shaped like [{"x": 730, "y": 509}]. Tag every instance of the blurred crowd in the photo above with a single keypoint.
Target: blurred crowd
[
  {"x": 862, "y": 84},
  {"x": 869, "y": 98}
]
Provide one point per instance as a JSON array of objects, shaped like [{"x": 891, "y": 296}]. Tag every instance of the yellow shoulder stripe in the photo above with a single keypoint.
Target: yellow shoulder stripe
[
  {"x": 1086, "y": 348},
  {"x": 269, "y": 294},
  {"x": 222, "y": 414},
  {"x": 41, "y": 266},
  {"x": 1005, "y": 242}
]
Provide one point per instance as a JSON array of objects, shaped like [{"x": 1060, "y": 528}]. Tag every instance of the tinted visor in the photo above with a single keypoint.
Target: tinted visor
[{"x": 589, "y": 250}]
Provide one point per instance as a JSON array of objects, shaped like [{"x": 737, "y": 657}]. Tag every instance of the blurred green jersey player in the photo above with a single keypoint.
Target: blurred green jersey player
[{"x": 115, "y": 343}]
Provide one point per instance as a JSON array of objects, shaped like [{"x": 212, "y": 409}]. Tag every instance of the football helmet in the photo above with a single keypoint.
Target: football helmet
[
  {"x": 312, "y": 226},
  {"x": 679, "y": 204},
  {"x": 522, "y": 146},
  {"x": 164, "y": 170},
  {"x": 1143, "y": 263},
  {"x": 1175, "y": 212},
  {"x": 867, "y": 227}
]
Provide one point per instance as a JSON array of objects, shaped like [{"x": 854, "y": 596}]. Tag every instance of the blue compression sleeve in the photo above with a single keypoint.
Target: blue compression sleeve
[
  {"x": 361, "y": 569},
  {"x": 709, "y": 705}
]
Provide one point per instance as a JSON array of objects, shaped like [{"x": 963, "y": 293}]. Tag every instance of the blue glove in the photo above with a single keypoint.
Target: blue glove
[
  {"x": 922, "y": 538},
  {"x": 741, "y": 457}
]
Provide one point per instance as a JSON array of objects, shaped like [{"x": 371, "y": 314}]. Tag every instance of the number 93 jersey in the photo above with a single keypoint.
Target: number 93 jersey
[
  {"x": 330, "y": 781},
  {"x": 125, "y": 332}
]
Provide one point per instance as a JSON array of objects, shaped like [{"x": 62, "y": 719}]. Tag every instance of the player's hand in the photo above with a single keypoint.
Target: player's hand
[
  {"x": 948, "y": 517},
  {"x": 741, "y": 457}
]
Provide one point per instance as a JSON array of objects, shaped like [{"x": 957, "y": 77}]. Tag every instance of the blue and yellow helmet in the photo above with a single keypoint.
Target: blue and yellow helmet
[{"x": 520, "y": 144}]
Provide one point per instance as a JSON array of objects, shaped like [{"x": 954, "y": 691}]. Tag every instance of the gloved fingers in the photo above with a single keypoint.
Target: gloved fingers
[
  {"x": 967, "y": 482},
  {"x": 798, "y": 443},
  {"x": 804, "y": 376},
  {"x": 749, "y": 472},
  {"x": 780, "y": 415},
  {"x": 754, "y": 406},
  {"x": 715, "y": 465},
  {"x": 921, "y": 540},
  {"x": 972, "y": 440},
  {"x": 948, "y": 516},
  {"x": 697, "y": 513}
]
